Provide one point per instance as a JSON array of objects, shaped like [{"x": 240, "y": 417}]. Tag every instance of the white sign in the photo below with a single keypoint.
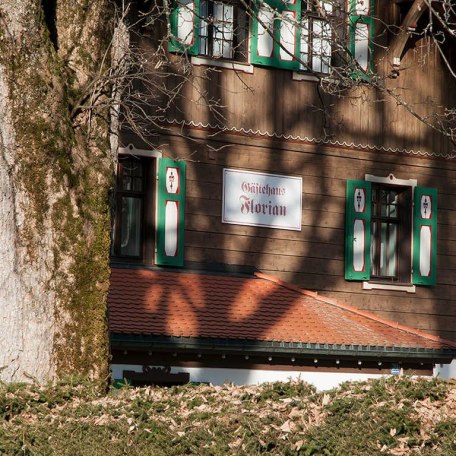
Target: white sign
[{"x": 260, "y": 199}]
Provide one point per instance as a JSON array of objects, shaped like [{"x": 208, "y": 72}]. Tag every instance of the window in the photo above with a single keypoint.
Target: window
[
  {"x": 296, "y": 34},
  {"x": 134, "y": 221},
  {"x": 387, "y": 238},
  {"x": 316, "y": 36},
  {"x": 210, "y": 28},
  {"x": 391, "y": 233},
  {"x": 149, "y": 211},
  {"x": 223, "y": 31},
  {"x": 289, "y": 34}
]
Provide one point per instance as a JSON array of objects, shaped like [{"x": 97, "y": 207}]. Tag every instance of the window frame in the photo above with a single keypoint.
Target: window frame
[
  {"x": 149, "y": 159},
  {"x": 187, "y": 39},
  {"x": 121, "y": 193},
  {"x": 403, "y": 234},
  {"x": 312, "y": 14},
  {"x": 357, "y": 263},
  {"x": 401, "y": 284},
  {"x": 239, "y": 47}
]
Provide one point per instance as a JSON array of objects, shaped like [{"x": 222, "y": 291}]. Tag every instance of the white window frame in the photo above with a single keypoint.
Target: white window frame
[{"x": 230, "y": 64}]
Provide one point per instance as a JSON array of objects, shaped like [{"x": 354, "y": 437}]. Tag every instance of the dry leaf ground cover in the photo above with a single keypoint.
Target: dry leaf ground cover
[{"x": 390, "y": 416}]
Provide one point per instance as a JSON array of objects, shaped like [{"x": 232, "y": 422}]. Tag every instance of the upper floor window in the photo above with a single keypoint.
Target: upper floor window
[
  {"x": 223, "y": 31},
  {"x": 316, "y": 36},
  {"x": 215, "y": 29}
]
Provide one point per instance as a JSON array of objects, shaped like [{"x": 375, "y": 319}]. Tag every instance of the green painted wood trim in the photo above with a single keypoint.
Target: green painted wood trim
[
  {"x": 174, "y": 44},
  {"x": 352, "y": 187},
  {"x": 354, "y": 19},
  {"x": 163, "y": 196},
  {"x": 275, "y": 60},
  {"x": 418, "y": 223}
]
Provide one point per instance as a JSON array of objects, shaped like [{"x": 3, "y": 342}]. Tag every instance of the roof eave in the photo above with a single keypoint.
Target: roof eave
[{"x": 251, "y": 347}]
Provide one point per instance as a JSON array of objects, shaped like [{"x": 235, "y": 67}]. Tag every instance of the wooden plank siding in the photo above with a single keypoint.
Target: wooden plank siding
[{"x": 276, "y": 104}]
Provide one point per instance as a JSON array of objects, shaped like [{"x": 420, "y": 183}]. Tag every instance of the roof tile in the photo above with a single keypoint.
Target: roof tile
[{"x": 260, "y": 308}]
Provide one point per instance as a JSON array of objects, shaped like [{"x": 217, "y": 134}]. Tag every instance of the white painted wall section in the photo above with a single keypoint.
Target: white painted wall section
[{"x": 219, "y": 376}]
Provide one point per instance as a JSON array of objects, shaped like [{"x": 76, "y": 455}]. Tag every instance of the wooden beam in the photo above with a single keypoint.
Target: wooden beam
[{"x": 409, "y": 23}]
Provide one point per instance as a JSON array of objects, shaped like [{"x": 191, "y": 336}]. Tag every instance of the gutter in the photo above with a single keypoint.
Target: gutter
[{"x": 252, "y": 347}]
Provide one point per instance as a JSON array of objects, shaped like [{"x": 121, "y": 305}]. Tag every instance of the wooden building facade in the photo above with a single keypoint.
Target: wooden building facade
[{"x": 353, "y": 130}]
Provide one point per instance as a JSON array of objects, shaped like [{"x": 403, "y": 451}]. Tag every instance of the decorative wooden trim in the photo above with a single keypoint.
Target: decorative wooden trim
[
  {"x": 387, "y": 286},
  {"x": 230, "y": 65},
  {"x": 156, "y": 376},
  {"x": 311, "y": 140},
  {"x": 391, "y": 179},
  {"x": 397, "y": 46},
  {"x": 132, "y": 150}
]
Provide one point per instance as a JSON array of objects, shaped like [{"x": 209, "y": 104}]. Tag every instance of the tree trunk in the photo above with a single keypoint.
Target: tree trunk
[{"x": 56, "y": 170}]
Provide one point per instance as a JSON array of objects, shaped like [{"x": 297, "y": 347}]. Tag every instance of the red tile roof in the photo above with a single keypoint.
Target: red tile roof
[{"x": 260, "y": 308}]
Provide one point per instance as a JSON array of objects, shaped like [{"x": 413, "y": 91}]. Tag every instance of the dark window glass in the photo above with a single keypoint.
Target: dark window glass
[
  {"x": 390, "y": 233},
  {"x": 130, "y": 228},
  {"x": 133, "y": 228}
]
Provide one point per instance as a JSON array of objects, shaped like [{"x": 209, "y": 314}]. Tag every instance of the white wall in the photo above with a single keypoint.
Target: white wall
[
  {"x": 445, "y": 370},
  {"x": 218, "y": 376}
]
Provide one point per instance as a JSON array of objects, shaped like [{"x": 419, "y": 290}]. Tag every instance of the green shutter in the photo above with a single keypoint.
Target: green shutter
[
  {"x": 357, "y": 230},
  {"x": 424, "y": 236},
  {"x": 283, "y": 19},
  {"x": 170, "y": 212},
  {"x": 184, "y": 23},
  {"x": 361, "y": 26}
]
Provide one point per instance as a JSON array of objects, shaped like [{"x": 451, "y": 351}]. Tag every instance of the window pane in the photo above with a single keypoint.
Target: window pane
[
  {"x": 388, "y": 246},
  {"x": 203, "y": 31},
  {"x": 327, "y": 6},
  {"x": 316, "y": 44},
  {"x": 389, "y": 203},
  {"x": 223, "y": 30},
  {"x": 132, "y": 175},
  {"x": 305, "y": 43},
  {"x": 326, "y": 54},
  {"x": 240, "y": 35},
  {"x": 373, "y": 254},
  {"x": 130, "y": 230}
]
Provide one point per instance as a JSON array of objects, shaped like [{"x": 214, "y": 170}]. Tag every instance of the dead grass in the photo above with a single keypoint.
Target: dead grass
[{"x": 392, "y": 416}]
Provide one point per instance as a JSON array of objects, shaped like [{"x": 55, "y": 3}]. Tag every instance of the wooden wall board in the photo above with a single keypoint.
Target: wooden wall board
[
  {"x": 364, "y": 122},
  {"x": 325, "y": 235},
  {"x": 404, "y": 302},
  {"x": 262, "y": 145},
  {"x": 265, "y": 245}
]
